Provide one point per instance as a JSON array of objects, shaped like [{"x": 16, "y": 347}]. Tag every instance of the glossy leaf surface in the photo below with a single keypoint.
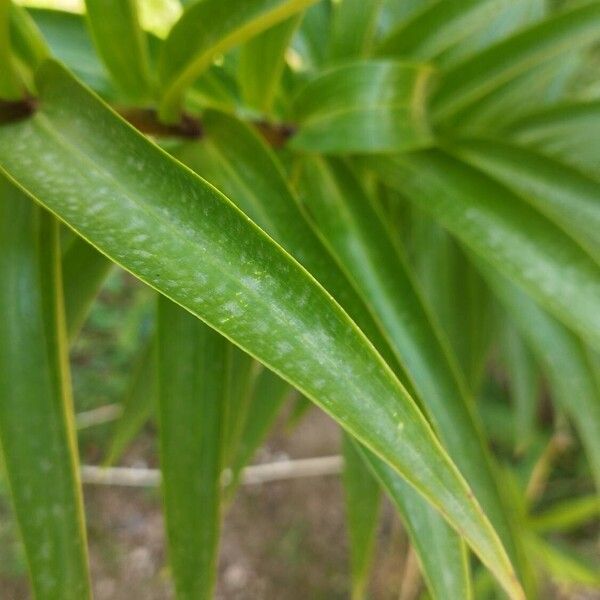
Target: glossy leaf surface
[{"x": 180, "y": 229}]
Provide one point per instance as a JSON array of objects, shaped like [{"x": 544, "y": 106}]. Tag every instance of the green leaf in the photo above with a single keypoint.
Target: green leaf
[
  {"x": 523, "y": 381},
  {"x": 262, "y": 60},
  {"x": 441, "y": 552},
  {"x": 563, "y": 194},
  {"x": 11, "y": 87},
  {"x": 569, "y": 514},
  {"x": 138, "y": 404},
  {"x": 208, "y": 29},
  {"x": 180, "y": 235},
  {"x": 568, "y": 131},
  {"x": 563, "y": 564},
  {"x": 121, "y": 43},
  {"x": 69, "y": 41},
  {"x": 36, "y": 413},
  {"x": 266, "y": 397},
  {"x": 354, "y": 229},
  {"x": 447, "y": 32},
  {"x": 353, "y": 26},
  {"x": 484, "y": 72},
  {"x": 261, "y": 191},
  {"x": 27, "y": 40},
  {"x": 363, "y": 499},
  {"x": 367, "y": 106},
  {"x": 315, "y": 28},
  {"x": 564, "y": 360},
  {"x": 84, "y": 269},
  {"x": 504, "y": 230},
  {"x": 193, "y": 373}
]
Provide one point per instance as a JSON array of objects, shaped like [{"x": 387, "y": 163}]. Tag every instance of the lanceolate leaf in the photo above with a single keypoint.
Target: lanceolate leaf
[
  {"x": 351, "y": 224},
  {"x": 363, "y": 499},
  {"x": 121, "y": 43},
  {"x": 261, "y": 64},
  {"x": 563, "y": 194},
  {"x": 193, "y": 374},
  {"x": 206, "y": 30},
  {"x": 181, "y": 236},
  {"x": 442, "y": 554},
  {"x": 11, "y": 87},
  {"x": 84, "y": 270},
  {"x": 481, "y": 74},
  {"x": 261, "y": 191},
  {"x": 565, "y": 362},
  {"x": 27, "y": 40},
  {"x": 258, "y": 187},
  {"x": 570, "y": 132},
  {"x": 570, "y": 514},
  {"x": 36, "y": 414},
  {"x": 500, "y": 227},
  {"x": 366, "y": 106}
]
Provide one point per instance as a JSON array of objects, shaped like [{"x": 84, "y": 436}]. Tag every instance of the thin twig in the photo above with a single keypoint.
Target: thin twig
[{"x": 253, "y": 475}]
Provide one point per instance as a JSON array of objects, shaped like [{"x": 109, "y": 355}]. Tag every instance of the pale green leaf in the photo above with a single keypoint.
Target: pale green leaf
[{"x": 353, "y": 27}]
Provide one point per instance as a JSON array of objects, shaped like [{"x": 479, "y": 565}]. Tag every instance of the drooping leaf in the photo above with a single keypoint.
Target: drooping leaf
[
  {"x": 507, "y": 232},
  {"x": 261, "y": 64},
  {"x": 121, "y": 43},
  {"x": 193, "y": 374},
  {"x": 363, "y": 499},
  {"x": 84, "y": 269},
  {"x": 442, "y": 554},
  {"x": 481, "y": 74},
  {"x": 356, "y": 232},
  {"x": 366, "y": 106},
  {"x": 564, "y": 360},
  {"x": 563, "y": 194},
  {"x": 181, "y": 236},
  {"x": 206, "y": 30},
  {"x": 36, "y": 413},
  {"x": 139, "y": 403},
  {"x": 353, "y": 27}
]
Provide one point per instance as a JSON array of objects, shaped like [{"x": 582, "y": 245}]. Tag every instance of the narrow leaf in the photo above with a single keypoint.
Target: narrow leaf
[
  {"x": 181, "y": 236},
  {"x": 363, "y": 499},
  {"x": 208, "y": 29},
  {"x": 368, "y": 106},
  {"x": 569, "y": 514},
  {"x": 504, "y": 230},
  {"x": 121, "y": 43},
  {"x": 84, "y": 270},
  {"x": 192, "y": 391},
  {"x": 36, "y": 413},
  {"x": 563, "y": 194},
  {"x": 11, "y": 87},
  {"x": 565, "y": 362},
  {"x": 356, "y": 232},
  {"x": 568, "y": 131},
  {"x": 442, "y": 555},
  {"x": 261, "y": 64},
  {"x": 353, "y": 26},
  {"x": 484, "y": 72}
]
